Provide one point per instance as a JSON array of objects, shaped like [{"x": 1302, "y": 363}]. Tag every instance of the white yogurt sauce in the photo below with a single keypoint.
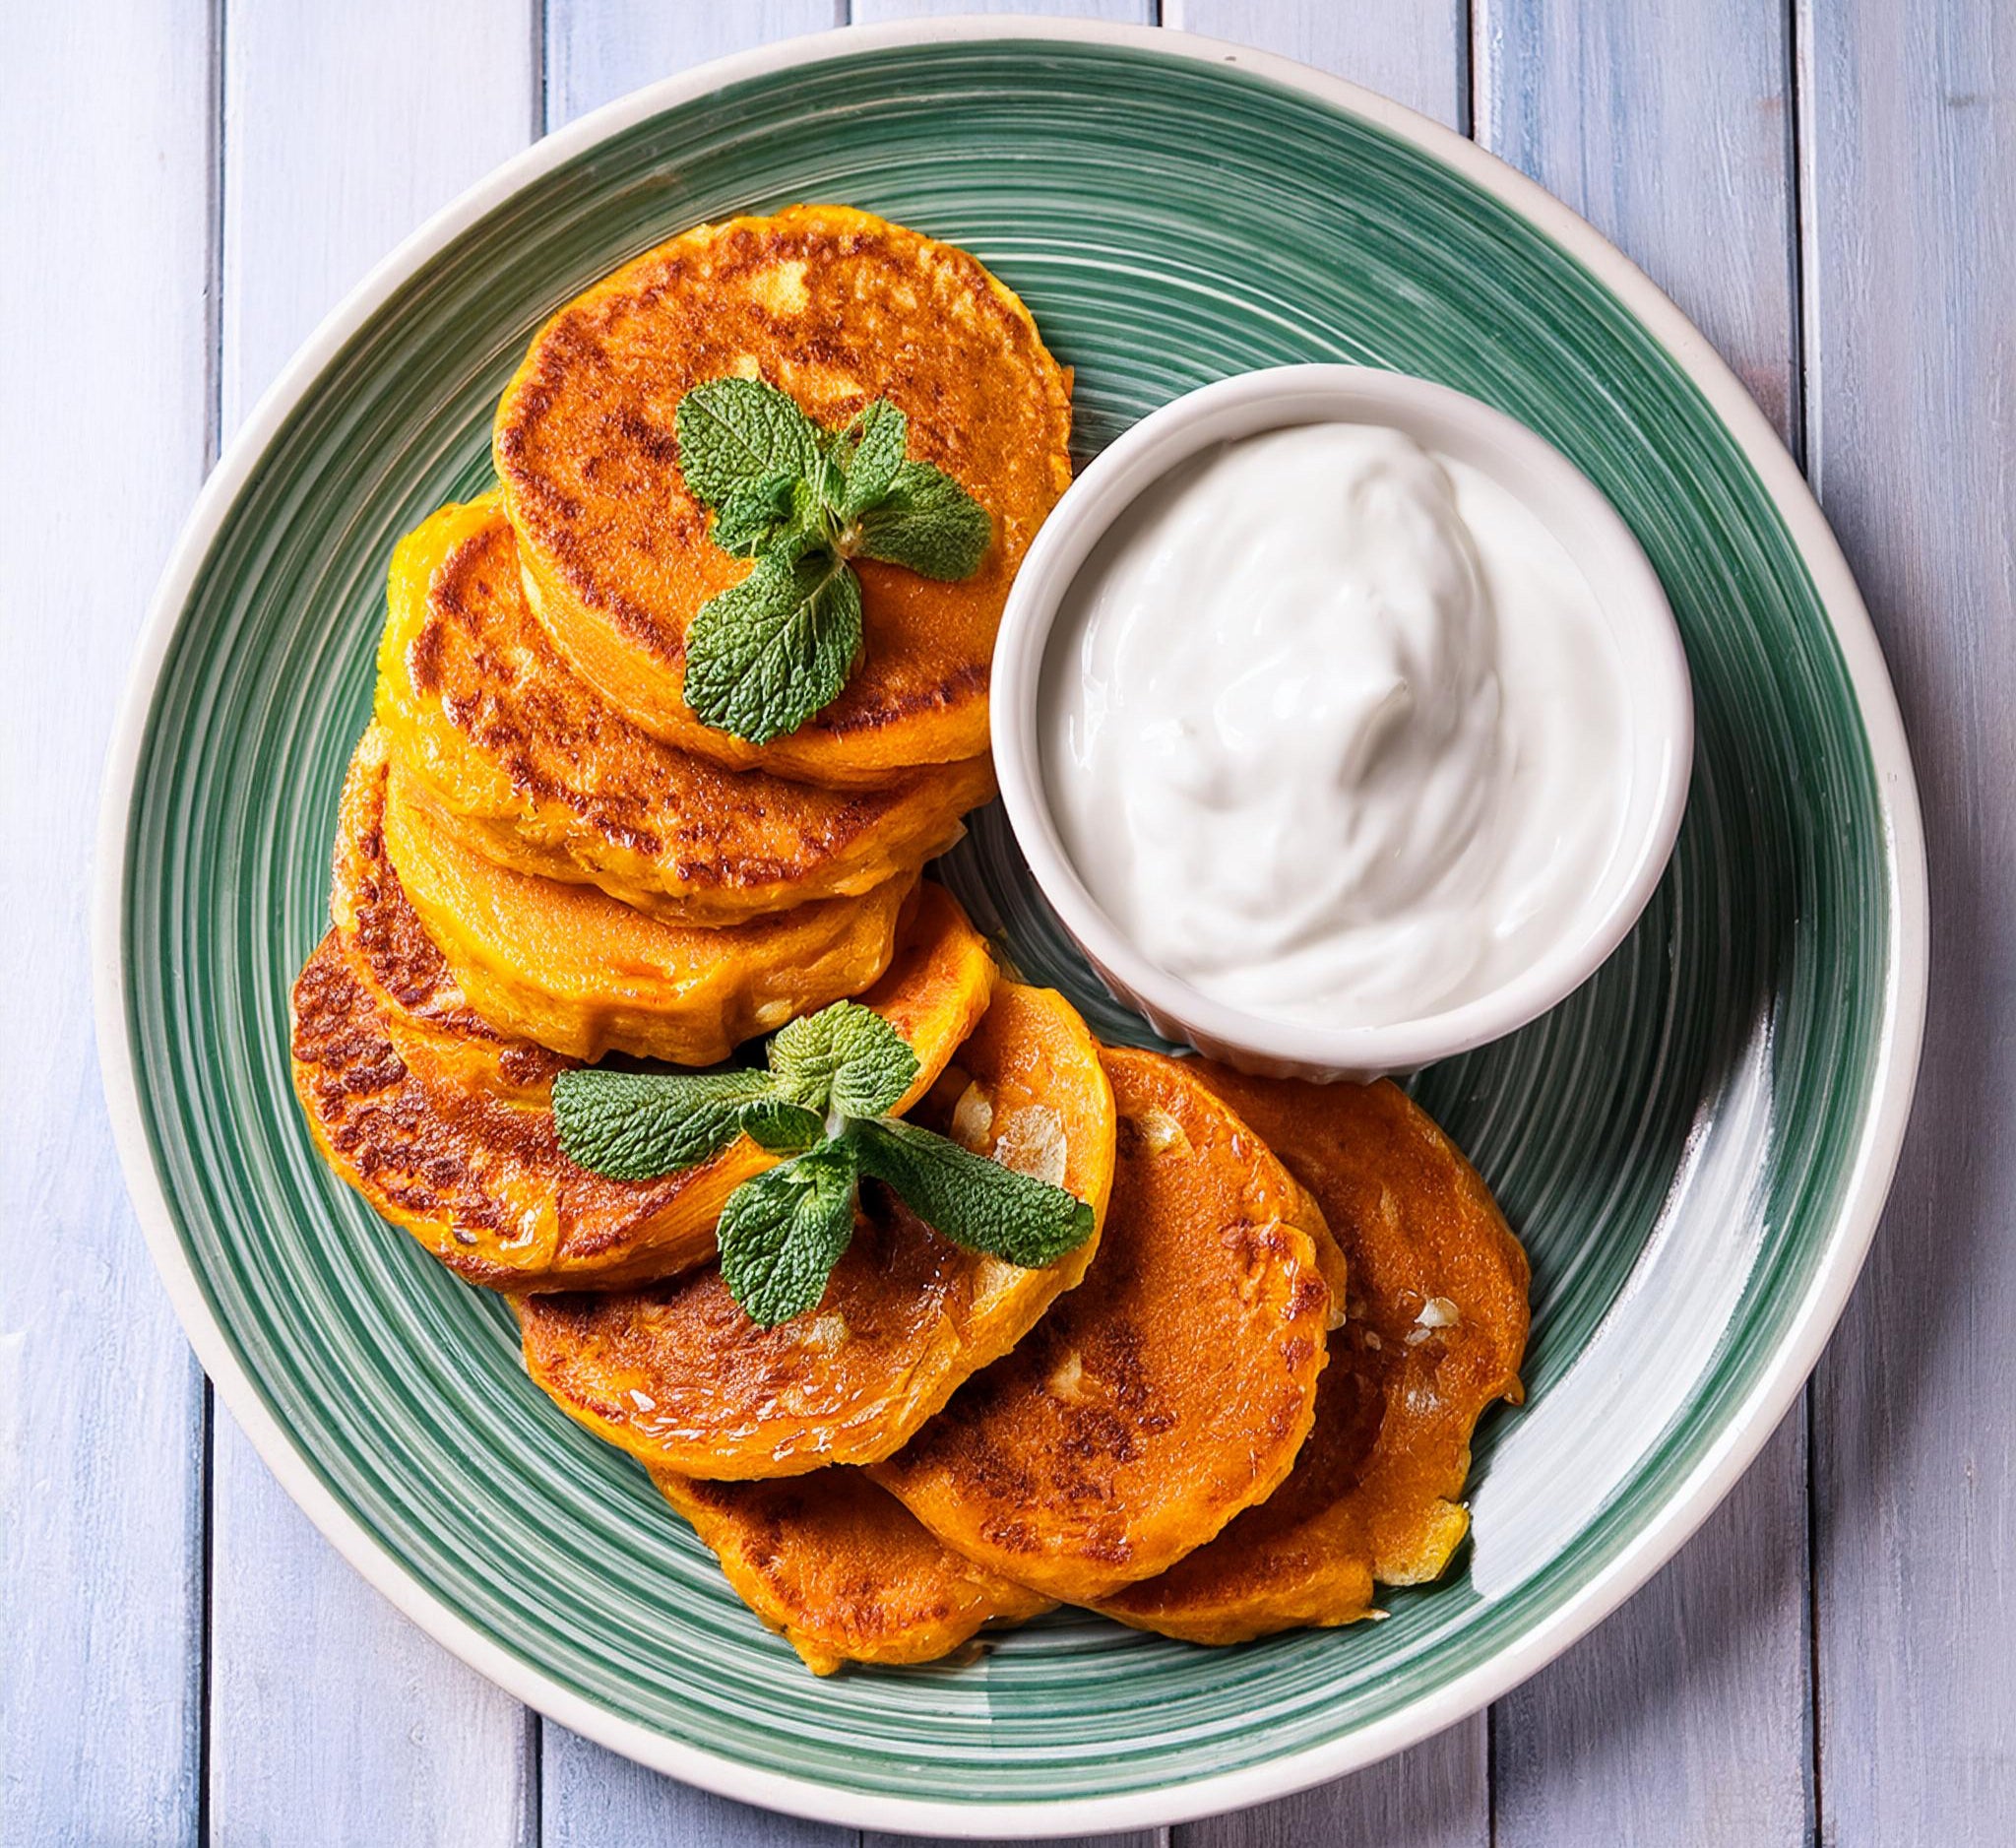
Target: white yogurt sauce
[{"x": 1333, "y": 728}]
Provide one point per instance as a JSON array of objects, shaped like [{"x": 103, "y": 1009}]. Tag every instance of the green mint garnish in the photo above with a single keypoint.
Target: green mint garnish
[
  {"x": 782, "y": 1234},
  {"x": 734, "y": 432},
  {"x": 763, "y": 656},
  {"x": 821, "y": 1103},
  {"x": 628, "y": 1125},
  {"x": 781, "y": 1128},
  {"x": 994, "y": 1209},
  {"x": 845, "y": 1057},
  {"x": 928, "y": 523},
  {"x": 761, "y": 514},
  {"x": 870, "y": 451}
]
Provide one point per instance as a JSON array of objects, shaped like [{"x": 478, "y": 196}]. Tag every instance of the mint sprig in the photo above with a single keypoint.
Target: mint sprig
[
  {"x": 821, "y": 1103},
  {"x": 766, "y": 654},
  {"x": 760, "y": 651}
]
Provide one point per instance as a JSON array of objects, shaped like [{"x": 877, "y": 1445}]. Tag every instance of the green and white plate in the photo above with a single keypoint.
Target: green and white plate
[{"x": 1695, "y": 1146}]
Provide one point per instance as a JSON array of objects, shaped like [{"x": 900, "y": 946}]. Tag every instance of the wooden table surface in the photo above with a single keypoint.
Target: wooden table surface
[{"x": 1828, "y": 187}]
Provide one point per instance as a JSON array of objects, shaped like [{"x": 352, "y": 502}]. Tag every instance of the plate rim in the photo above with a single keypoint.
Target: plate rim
[{"x": 1747, "y": 1426}]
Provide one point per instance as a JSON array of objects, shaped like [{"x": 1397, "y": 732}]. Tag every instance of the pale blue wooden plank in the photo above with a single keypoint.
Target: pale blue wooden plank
[
  {"x": 1911, "y": 352},
  {"x": 1686, "y": 1717},
  {"x": 1415, "y": 52},
  {"x": 594, "y": 1799},
  {"x": 1437, "y": 1795},
  {"x": 597, "y": 50},
  {"x": 332, "y": 1718},
  {"x": 1669, "y": 128},
  {"x": 106, "y": 123},
  {"x": 872, "y": 11}
]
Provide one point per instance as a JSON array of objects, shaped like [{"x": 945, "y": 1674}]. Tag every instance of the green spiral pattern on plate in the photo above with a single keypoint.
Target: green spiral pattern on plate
[{"x": 1168, "y": 221}]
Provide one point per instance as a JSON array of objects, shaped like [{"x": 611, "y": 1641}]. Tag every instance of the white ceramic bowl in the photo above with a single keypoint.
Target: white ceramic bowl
[{"x": 1659, "y": 726}]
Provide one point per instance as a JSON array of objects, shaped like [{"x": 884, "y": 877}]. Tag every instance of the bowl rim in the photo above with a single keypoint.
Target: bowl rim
[
  {"x": 1745, "y": 1428},
  {"x": 1658, "y": 698}
]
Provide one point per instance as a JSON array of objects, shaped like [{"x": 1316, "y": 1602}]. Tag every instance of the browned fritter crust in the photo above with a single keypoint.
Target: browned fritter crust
[
  {"x": 581, "y": 972},
  {"x": 683, "y": 1378},
  {"x": 544, "y": 775},
  {"x": 444, "y": 1124},
  {"x": 421, "y": 1005},
  {"x": 1169, "y": 1391},
  {"x": 836, "y": 309},
  {"x": 479, "y": 1181},
  {"x": 1372, "y": 1497},
  {"x": 843, "y": 1571}
]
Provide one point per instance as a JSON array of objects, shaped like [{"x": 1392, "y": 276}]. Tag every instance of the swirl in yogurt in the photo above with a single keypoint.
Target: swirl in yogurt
[{"x": 1332, "y": 729}]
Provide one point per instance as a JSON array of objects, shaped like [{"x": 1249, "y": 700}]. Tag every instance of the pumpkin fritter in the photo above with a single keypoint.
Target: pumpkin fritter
[
  {"x": 578, "y": 970},
  {"x": 479, "y": 1181},
  {"x": 1438, "y": 1325},
  {"x": 443, "y": 1125},
  {"x": 683, "y": 1378},
  {"x": 838, "y": 309},
  {"x": 1166, "y": 1393},
  {"x": 534, "y": 768},
  {"x": 841, "y": 1569},
  {"x": 423, "y": 1009}
]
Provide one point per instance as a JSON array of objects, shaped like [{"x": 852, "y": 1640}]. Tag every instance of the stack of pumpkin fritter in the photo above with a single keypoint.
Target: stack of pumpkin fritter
[{"x": 1236, "y": 1403}]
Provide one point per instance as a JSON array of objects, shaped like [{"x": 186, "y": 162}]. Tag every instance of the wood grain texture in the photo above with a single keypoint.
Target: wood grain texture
[
  {"x": 1416, "y": 53},
  {"x": 105, "y": 143},
  {"x": 872, "y": 11},
  {"x": 1910, "y": 353},
  {"x": 332, "y": 1718},
  {"x": 600, "y": 49},
  {"x": 1684, "y": 1718},
  {"x": 1437, "y": 1795}
]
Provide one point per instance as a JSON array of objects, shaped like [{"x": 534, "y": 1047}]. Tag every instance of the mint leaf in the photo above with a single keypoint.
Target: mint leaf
[
  {"x": 781, "y": 1128},
  {"x": 633, "y": 1125},
  {"x": 971, "y": 1200},
  {"x": 768, "y": 653},
  {"x": 734, "y": 432},
  {"x": 782, "y": 1234},
  {"x": 757, "y": 515},
  {"x": 871, "y": 450},
  {"x": 926, "y": 523},
  {"x": 845, "y": 1058}
]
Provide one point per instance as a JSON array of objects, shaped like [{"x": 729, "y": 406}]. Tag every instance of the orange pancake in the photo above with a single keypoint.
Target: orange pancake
[
  {"x": 1166, "y": 1393},
  {"x": 841, "y": 1570},
  {"x": 443, "y": 1124},
  {"x": 420, "y": 1005},
  {"x": 1438, "y": 1325},
  {"x": 680, "y": 1376},
  {"x": 573, "y": 969},
  {"x": 537, "y": 770},
  {"x": 838, "y": 309}
]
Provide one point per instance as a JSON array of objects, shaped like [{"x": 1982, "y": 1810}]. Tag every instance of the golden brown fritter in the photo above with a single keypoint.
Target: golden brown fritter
[
  {"x": 443, "y": 1125},
  {"x": 1438, "y": 1325},
  {"x": 838, "y": 309},
  {"x": 578, "y": 970},
  {"x": 680, "y": 1376},
  {"x": 1169, "y": 1391},
  {"x": 539, "y": 772},
  {"x": 841, "y": 1569},
  {"x": 422, "y": 1007},
  {"x": 479, "y": 1181}
]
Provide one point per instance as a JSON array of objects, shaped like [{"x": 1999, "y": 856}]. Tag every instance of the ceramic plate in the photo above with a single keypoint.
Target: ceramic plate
[{"x": 1695, "y": 1146}]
